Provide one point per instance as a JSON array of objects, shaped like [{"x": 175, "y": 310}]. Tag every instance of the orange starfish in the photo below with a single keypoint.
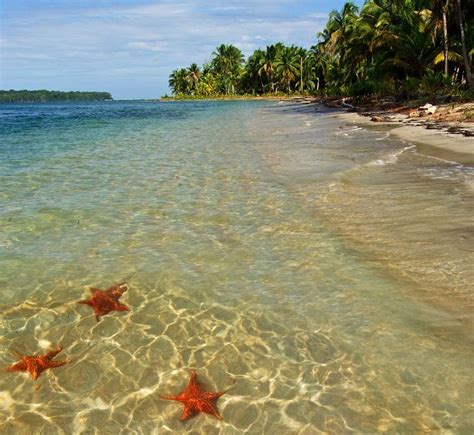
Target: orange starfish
[
  {"x": 196, "y": 400},
  {"x": 105, "y": 301},
  {"x": 37, "y": 364}
]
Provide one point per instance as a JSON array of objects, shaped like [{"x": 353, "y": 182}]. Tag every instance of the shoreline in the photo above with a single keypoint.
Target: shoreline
[
  {"x": 440, "y": 144},
  {"x": 447, "y": 133},
  {"x": 291, "y": 98},
  {"x": 435, "y": 143}
]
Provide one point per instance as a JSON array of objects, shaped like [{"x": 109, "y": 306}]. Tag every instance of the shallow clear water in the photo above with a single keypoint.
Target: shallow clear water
[{"x": 320, "y": 273}]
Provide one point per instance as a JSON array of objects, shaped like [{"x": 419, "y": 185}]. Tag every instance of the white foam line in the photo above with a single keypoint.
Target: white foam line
[
  {"x": 351, "y": 130},
  {"x": 457, "y": 164},
  {"x": 392, "y": 158}
]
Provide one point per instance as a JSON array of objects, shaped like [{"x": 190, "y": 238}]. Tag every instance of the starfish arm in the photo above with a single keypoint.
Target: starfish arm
[
  {"x": 175, "y": 398},
  {"x": 188, "y": 412},
  {"x": 120, "y": 287},
  {"x": 51, "y": 354},
  {"x": 116, "y": 290},
  {"x": 18, "y": 367},
  {"x": 121, "y": 307},
  {"x": 211, "y": 396},
  {"x": 99, "y": 311},
  {"x": 35, "y": 371},
  {"x": 16, "y": 354},
  {"x": 193, "y": 379},
  {"x": 193, "y": 387},
  {"x": 208, "y": 408},
  {"x": 85, "y": 302}
]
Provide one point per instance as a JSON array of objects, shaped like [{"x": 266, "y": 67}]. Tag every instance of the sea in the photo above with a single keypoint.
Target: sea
[{"x": 319, "y": 272}]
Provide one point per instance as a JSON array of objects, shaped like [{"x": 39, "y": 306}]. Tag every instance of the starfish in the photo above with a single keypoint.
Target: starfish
[
  {"x": 196, "y": 400},
  {"x": 105, "y": 301},
  {"x": 37, "y": 364}
]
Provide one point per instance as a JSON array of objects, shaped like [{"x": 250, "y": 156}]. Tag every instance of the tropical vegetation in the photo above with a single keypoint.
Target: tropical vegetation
[
  {"x": 396, "y": 47},
  {"x": 26, "y": 96}
]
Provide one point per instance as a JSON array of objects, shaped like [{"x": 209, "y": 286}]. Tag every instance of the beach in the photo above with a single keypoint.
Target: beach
[
  {"x": 433, "y": 142},
  {"x": 317, "y": 269}
]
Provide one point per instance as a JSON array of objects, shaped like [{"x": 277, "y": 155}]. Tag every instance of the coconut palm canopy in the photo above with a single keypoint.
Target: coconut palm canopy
[{"x": 393, "y": 47}]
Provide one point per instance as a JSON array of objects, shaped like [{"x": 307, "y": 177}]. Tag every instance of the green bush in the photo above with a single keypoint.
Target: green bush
[
  {"x": 366, "y": 87},
  {"x": 434, "y": 83}
]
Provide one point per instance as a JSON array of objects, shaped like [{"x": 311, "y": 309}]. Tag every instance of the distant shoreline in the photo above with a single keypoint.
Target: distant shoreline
[
  {"x": 46, "y": 96},
  {"x": 241, "y": 97}
]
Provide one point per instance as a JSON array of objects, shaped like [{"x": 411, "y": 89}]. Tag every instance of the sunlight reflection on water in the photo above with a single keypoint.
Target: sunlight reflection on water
[{"x": 261, "y": 248}]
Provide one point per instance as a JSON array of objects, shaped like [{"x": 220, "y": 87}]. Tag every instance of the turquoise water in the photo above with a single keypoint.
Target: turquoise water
[{"x": 321, "y": 273}]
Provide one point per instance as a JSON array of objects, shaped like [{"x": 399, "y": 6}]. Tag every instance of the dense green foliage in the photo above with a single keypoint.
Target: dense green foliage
[
  {"x": 397, "y": 47},
  {"x": 45, "y": 96}
]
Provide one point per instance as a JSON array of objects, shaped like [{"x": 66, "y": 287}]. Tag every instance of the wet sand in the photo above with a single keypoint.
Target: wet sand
[{"x": 436, "y": 143}]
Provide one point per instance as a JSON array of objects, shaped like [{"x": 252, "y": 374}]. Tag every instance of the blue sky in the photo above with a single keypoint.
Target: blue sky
[{"x": 129, "y": 47}]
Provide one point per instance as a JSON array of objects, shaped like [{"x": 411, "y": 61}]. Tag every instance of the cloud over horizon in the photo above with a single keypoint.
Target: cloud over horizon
[{"x": 129, "y": 47}]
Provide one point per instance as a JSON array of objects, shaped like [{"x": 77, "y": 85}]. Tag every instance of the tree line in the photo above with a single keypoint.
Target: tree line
[
  {"x": 396, "y": 47},
  {"x": 26, "y": 96}
]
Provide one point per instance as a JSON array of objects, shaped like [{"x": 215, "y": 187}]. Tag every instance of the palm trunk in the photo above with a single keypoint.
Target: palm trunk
[
  {"x": 464, "y": 51},
  {"x": 445, "y": 31},
  {"x": 301, "y": 74}
]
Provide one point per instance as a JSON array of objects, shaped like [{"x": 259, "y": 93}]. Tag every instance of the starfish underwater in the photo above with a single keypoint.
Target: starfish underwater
[
  {"x": 37, "y": 364},
  {"x": 105, "y": 301},
  {"x": 196, "y": 400}
]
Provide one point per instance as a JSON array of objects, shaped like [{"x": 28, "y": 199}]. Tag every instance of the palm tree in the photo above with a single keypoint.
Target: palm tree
[
  {"x": 254, "y": 79},
  {"x": 193, "y": 76},
  {"x": 207, "y": 85},
  {"x": 178, "y": 81},
  {"x": 227, "y": 61},
  {"x": 309, "y": 76},
  {"x": 267, "y": 64},
  {"x": 439, "y": 16},
  {"x": 463, "y": 43},
  {"x": 287, "y": 65},
  {"x": 387, "y": 45}
]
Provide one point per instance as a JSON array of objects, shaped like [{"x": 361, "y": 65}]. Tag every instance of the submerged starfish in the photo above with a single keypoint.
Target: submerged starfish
[
  {"x": 196, "y": 400},
  {"x": 105, "y": 301},
  {"x": 37, "y": 364}
]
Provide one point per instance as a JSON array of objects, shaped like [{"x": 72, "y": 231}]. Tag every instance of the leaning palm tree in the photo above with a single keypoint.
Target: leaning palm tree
[{"x": 286, "y": 65}]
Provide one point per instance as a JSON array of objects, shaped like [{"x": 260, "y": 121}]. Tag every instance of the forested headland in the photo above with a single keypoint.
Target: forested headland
[
  {"x": 26, "y": 96},
  {"x": 401, "y": 48}
]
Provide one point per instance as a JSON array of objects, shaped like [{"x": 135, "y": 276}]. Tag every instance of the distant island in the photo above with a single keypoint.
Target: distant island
[{"x": 42, "y": 95}]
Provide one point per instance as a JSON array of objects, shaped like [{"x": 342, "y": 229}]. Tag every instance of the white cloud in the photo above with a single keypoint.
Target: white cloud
[
  {"x": 152, "y": 38},
  {"x": 147, "y": 46}
]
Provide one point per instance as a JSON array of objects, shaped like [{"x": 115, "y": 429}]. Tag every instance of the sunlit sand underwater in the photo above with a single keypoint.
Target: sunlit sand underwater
[{"x": 320, "y": 273}]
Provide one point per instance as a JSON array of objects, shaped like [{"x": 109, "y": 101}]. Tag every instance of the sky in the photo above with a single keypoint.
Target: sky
[{"x": 129, "y": 47}]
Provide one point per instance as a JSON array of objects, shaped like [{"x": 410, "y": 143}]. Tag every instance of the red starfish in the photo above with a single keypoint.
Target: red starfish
[
  {"x": 37, "y": 364},
  {"x": 105, "y": 301},
  {"x": 196, "y": 400}
]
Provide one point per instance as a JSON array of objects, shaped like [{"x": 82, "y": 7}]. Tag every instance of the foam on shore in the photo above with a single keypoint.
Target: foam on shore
[{"x": 436, "y": 143}]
